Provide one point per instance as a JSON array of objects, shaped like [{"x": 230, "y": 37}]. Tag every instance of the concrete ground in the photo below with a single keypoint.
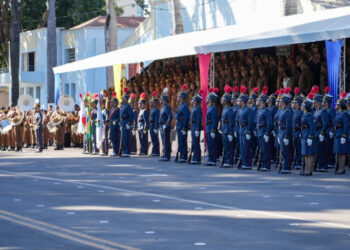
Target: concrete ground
[{"x": 66, "y": 200}]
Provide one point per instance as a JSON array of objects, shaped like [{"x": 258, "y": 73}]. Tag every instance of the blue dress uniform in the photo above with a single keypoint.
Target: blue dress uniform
[
  {"x": 253, "y": 112},
  {"x": 182, "y": 122},
  {"x": 272, "y": 110},
  {"x": 227, "y": 126},
  {"x": 330, "y": 132},
  {"x": 154, "y": 127},
  {"x": 341, "y": 128},
  {"x": 114, "y": 118},
  {"x": 264, "y": 126},
  {"x": 105, "y": 142},
  {"x": 93, "y": 134},
  {"x": 235, "y": 108},
  {"x": 165, "y": 120},
  {"x": 245, "y": 131},
  {"x": 212, "y": 122},
  {"x": 285, "y": 134},
  {"x": 307, "y": 132},
  {"x": 127, "y": 118},
  {"x": 143, "y": 126},
  {"x": 297, "y": 115},
  {"x": 132, "y": 140},
  {"x": 321, "y": 120},
  {"x": 196, "y": 128},
  {"x": 39, "y": 130}
]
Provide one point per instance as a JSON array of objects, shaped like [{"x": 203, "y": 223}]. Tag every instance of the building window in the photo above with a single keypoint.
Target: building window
[
  {"x": 28, "y": 62},
  {"x": 69, "y": 55},
  {"x": 66, "y": 89},
  {"x": 38, "y": 93},
  {"x": 21, "y": 91},
  {"x": 30, "y": 91},
  {"x": 73, "y": 91}
]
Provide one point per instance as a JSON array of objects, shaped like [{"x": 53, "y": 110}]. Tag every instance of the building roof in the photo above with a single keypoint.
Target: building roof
[{"x": 126, "y": 22}]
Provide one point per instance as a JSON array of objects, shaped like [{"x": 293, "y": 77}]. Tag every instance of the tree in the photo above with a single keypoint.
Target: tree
[
  {"x": 15, "y": 46},
  {"x": 51, "y": 49},
  {"x": 111, "y": 36},
  {"x": 4, "y": 32},
  {"x": 177, "y": 17},
  {"x": 143, "y": 6}
]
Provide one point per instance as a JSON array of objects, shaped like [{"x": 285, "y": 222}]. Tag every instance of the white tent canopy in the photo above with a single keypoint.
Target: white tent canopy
[{"x": 322, "y": 25}]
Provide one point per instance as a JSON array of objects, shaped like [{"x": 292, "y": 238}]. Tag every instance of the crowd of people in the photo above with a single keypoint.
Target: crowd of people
[{"x": 265, "y": 110}]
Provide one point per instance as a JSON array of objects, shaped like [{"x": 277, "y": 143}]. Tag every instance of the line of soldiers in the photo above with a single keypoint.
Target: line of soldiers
[
  {"x": 292, "y": 131},
  {"x": 38, "y": 128}
]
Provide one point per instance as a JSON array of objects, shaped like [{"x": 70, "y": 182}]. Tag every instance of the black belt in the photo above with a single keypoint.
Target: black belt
[
  {"x": 262, "y": 126},
  {"x": 282, "y": 127},
  {"x": 339, "y": 126},
  {"x": 225, "y": 121}
]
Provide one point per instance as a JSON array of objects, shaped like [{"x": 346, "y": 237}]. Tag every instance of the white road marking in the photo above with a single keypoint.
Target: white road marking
[
  {"x": 104, "y": 221},
  {"x": 299, "y": 196},
  {"x": 200, "y": 244},
  {"x": 266, "y": 196},
  {"x": 16, "y": 199},
  {"x": 149, "y": 232},
  {"x": 71, "y": 213},
  {"x": 153, "y": 175},
  {"x": 314, "y": 203},
  {"x": 57, "y": 183},
  {"x": 156, "y": 200},
  {"x": 293, "y": 224},
  {"x": 260, "y": 212},
  {"x": 40, "y": 205},
  {"x": 296, "y": 184}
]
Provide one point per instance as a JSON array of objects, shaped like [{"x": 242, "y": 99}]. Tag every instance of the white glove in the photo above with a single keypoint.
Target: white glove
[
  {"x": 145, "y": 131},
  {"x": 309, "y": 142},
  {"x": 342, "y": 140},
  {"x": 321, "y": 137},
  {"x": 286, "y": 141},
  {"x": 155, "y": 131},
  {"x": 133, "y": 132},
  {"x": 127, "y": 126},
  {"x": 247, "y": 136},
  {"x": 266, "y": 138},
  {"x": 331, "y": 134},
  {"x": 197, "y": 133},
  {"x": 273, "y": 133},
  {"x": 230, "y": 138},
  {"x": 164, "y": 127},
  {"x": 183, "y": 132},
  {"x": 212, "y": 134},
  {"x": 235, "y": 134},
  {"x": 278, "y": 140},
  {"x": 255, "y": 134}
]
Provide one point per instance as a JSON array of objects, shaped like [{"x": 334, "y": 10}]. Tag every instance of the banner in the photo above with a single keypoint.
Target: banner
[
  {"x": 117, "y": 71},
  {"x": 333, "y": 50},
  {"x": 204, "y": 63},
  {"x": 57, "y": 87}
]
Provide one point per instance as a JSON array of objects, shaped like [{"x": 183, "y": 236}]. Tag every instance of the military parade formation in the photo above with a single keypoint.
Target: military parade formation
[{"x": 241, "y": 129}]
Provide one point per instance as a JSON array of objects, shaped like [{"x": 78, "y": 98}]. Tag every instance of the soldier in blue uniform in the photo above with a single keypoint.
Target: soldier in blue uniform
[
  {"x": 254, "y": 146},
  {"x": 235, "y": 108},
  {"x": 165, "y": 120},
  {"x": 245, "y": 121},
  {"x": 127, "y": 118},
  {"x": 143, "y": 125},
  {"x": 94, "y": 122},
  {"x": 341, "y": 139},
  {"x": 321, "y": 120},
  {"x": 285, "y": 132},
  {"x": 264, "y": 126},
  {"x": 154, "y": 124},
  {"x": 38, "y": 129},
  {"x": 105, "y": 117},
  {"x": 227, "y": 126},
  {"x": 271, "y": 102},
  {"x": 326, "y": 104},
  {"x": 114, "y": 118},
  {"x": 297, "y": 115},
  {"x": 308, "y": 145},
  {"x": 132, "y": 141},
  {"x": 196, "y": 128},
  {"x": 182, "y": 121},
  {"x": 212, "y": 122}
]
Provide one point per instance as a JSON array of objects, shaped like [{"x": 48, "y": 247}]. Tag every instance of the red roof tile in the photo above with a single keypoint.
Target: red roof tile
[{"x": 125, "y": 22}]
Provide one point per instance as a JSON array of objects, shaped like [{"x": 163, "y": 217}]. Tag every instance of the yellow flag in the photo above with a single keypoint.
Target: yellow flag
[{"x": 117, "y": 70}]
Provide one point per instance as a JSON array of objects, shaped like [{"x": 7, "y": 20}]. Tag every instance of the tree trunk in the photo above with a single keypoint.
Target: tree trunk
[
  {"x": 15, "y": 50},
  {"x": 290, "y": 7},
  {"x": 177, "y": 17},
  {"x": 51, "y": 50},
  {"x": 111, "y": 37}
]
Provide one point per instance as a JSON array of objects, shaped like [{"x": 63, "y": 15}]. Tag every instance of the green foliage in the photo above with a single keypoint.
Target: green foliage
[
  {"x": 32, "y": 13},
  {"x": 143, "y": 6}
]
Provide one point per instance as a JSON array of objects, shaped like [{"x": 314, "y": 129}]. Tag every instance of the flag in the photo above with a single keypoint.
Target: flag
[{"x": 117, "y": 71}]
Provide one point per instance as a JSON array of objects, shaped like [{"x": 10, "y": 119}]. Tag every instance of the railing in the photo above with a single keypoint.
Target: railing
[{"x": 140, "y": 31}]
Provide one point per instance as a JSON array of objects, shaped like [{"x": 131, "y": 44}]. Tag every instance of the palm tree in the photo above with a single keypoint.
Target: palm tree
[
  {"x": 111, "y": 36},
  {"x": 14, "y": 49},
  {"x": 177, "y": 17},
  {"x": 51, "y": 49}
]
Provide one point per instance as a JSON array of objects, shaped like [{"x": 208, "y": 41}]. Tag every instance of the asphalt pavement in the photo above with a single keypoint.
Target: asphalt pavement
[{"x": 66, "y": 200}]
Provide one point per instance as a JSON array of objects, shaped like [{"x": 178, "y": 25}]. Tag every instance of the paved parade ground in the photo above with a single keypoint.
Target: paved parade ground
[{"x": 64, "y": 200}]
